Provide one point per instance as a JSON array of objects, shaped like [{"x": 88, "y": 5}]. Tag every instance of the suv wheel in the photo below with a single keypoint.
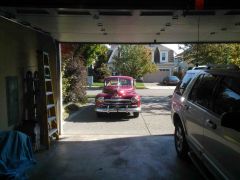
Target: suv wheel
[{"x": 180, "y": 141}]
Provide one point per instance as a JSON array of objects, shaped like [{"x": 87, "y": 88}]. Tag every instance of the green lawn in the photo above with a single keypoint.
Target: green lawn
[
  {"x": 98, "y": 84},
  {"x": 139, "y": 85}
]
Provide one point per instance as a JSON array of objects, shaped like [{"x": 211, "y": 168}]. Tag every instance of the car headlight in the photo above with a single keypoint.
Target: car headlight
[
  {"x": 134, "y": 99},
  {"x": 100, "y": 99}
]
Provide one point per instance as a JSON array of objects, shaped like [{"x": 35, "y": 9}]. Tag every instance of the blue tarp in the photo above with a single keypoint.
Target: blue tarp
[{"x": 16, "y": 155}]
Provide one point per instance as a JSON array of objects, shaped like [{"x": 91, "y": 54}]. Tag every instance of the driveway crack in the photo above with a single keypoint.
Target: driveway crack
[{"x": 146, "y": 125}]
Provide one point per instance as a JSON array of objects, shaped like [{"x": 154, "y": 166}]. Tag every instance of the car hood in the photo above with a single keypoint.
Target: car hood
[{"x": 118, "y": 92}]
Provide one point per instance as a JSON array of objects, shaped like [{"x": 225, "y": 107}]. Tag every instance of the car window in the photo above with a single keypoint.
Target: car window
[
  {"x": 173, "y": 78},
  {"x": 118, "y": 82},
  {"x": 124, "y": 82},
  {"x": 193, "y": 94},
  {"x": 112, "y": 82},
  {"x": 185, "y": 81},
  {"x": 228, "y": 96},
  {"x": 202, "y": 94}
]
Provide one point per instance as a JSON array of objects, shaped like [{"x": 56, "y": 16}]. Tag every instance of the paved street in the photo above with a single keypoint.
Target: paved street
[{"x": 154, "y": 119}]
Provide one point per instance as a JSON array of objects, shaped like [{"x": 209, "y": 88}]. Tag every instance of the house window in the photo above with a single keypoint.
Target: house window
[
  {"x": 164, "y": 56},
  {"x": 163, "y": 69}
]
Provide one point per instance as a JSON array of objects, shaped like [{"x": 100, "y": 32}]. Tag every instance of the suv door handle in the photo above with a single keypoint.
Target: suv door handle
[{"x": 211, "y": 124}]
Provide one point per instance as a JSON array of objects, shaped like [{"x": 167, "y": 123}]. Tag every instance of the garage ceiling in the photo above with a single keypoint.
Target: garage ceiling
[{"x": 131, "y": 25}]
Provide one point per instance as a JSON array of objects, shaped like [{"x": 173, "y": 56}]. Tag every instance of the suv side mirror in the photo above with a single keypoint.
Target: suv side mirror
[{"x": 230, "y": 120}]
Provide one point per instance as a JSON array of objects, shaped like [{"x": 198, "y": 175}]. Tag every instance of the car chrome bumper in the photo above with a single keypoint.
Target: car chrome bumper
[{"x": 115, "y": 109}]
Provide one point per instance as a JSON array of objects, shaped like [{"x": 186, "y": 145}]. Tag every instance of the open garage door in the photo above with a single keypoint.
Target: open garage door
[
  {"x": 29, "y": 26},
  {"x": 134, "y": 22}
]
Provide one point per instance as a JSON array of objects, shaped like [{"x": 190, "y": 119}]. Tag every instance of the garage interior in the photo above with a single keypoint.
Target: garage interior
[{"x": 29, "y": 28}]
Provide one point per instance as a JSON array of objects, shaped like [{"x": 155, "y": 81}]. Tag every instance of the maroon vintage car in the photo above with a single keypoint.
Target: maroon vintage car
[{"x": 118, "y": 96}]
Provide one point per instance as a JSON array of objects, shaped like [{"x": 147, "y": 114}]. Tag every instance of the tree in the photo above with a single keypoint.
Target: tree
[
  {"x": 212, "y": 53},
  {"x": 101, "y": 70},
  {"x": 134, "y": 61},
  {"x": 75, "y": 60},
  {"x": 74, "y": 81}
]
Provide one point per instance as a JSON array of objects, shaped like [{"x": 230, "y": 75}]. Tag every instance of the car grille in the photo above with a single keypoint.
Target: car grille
[{"x": 119, "y": 102}]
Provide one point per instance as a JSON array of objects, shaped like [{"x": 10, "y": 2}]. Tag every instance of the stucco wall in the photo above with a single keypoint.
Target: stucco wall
[{"x": 18, "y": 53}]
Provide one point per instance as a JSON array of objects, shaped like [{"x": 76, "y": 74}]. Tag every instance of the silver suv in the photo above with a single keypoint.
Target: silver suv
[{"x": 206, "y": 116}]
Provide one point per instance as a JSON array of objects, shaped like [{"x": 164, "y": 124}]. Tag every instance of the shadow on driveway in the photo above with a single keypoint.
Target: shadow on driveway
[
  {"x": 156, "y": 105},
  {"x": 153, "y": 105},
  {"x": 87, "y": 114}
]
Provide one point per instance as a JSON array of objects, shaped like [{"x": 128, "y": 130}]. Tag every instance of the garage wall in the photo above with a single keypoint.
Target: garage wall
[{"x": 18, "y": 53}]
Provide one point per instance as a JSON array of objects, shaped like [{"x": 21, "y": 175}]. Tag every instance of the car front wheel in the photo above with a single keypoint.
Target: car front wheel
[{"x": 180, "y": 141}]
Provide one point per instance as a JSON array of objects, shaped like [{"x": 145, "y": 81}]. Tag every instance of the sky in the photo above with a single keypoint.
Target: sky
[{"x": 173, "y": 47}]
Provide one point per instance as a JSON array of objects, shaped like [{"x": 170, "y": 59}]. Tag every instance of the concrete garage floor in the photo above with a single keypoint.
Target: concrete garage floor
[
  {"x": 117, "y": 146},
  {"x": 142, "y": 157}
]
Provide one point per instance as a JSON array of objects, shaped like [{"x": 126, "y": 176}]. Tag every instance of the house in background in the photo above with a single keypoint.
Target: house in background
[{"x": 162, "y": 56}]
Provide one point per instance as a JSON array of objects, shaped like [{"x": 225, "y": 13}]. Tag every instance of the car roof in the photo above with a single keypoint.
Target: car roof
[
  {"x": 195, "y": 71},
  {"x": 226, "y": 72},
  {"x": 125, "y": 77},
  {"x": 200, "y": 67}
]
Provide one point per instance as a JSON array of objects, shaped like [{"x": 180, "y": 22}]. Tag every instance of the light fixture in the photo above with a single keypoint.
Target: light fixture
[
  {"x": 95, "y": 16},
  {"x": 168, "y": 24},
  {"x": 237, "y": 24},
  {"x": 175, "y": 17}
]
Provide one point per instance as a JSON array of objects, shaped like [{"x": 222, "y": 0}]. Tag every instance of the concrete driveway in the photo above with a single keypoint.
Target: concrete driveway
[
  {"x": 117, "y": 147},
  {"x": 154, "y": 120}
]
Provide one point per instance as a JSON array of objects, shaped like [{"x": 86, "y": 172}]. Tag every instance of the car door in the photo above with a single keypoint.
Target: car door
[
  {"x": 221, "y": 143},
  {"x": 198, "y": 108},
  {"x": 192, "y": 116}
]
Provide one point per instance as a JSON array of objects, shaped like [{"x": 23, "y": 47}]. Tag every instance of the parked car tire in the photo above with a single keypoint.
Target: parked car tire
[
  {"x": 180, "y": 141},
  {"x": 135, "y": 114}
]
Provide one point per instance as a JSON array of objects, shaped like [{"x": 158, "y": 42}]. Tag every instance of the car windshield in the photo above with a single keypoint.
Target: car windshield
[{"x": 118, "y": 82}]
